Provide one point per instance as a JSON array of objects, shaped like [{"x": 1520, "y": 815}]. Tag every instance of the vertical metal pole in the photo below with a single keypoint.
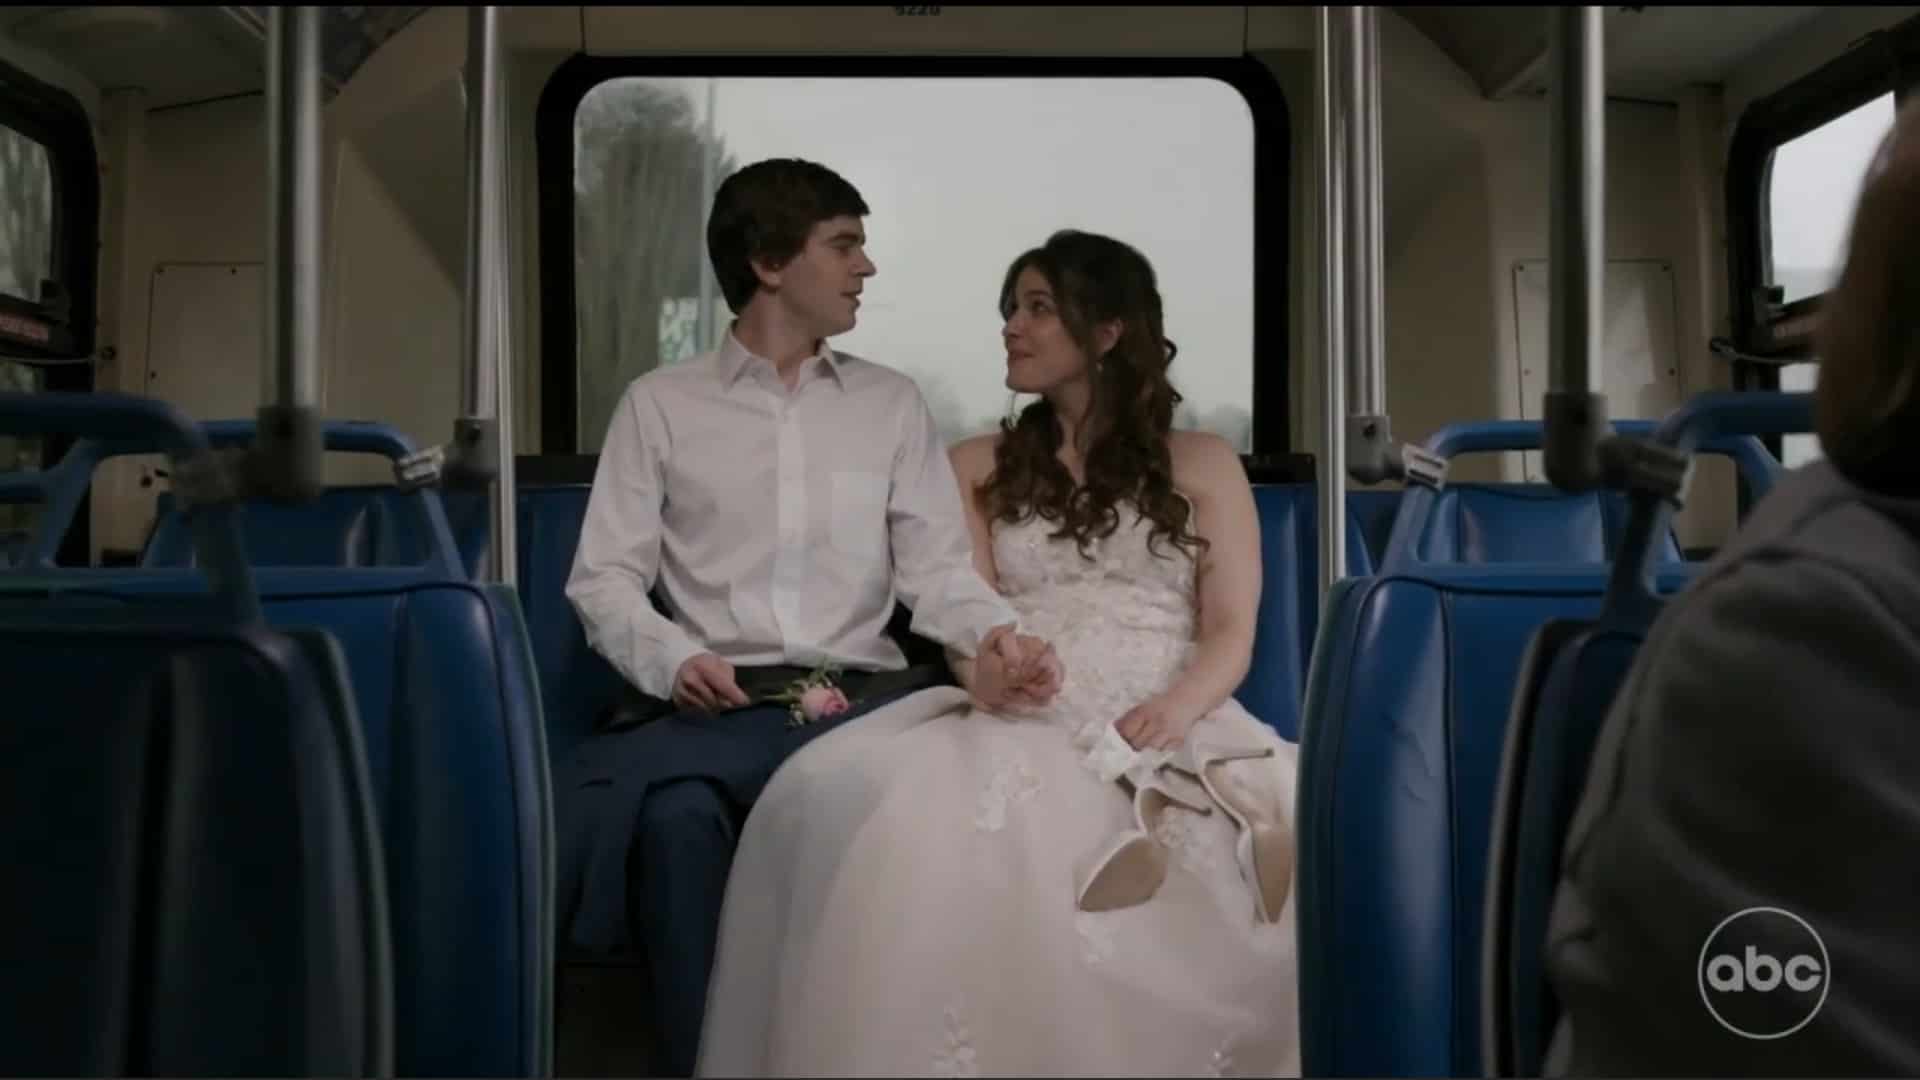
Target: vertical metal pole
[
  {"x": 1370, "y": 453},
  {"x": 289, "y": 434},
  {"x": 479, "y": 329},
  {"x": 505, "y": 500},
  {"x": 1328, "y": 147},
  {"x": 1365, "y": 336},
  {"x": 1575, "y": 412},
  {"x": 478, "y": 433},
  {"x": 704, "y": 319}
]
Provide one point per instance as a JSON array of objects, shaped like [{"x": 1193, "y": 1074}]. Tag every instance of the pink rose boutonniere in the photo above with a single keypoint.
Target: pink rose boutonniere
[{"x": 813, "y": 698}]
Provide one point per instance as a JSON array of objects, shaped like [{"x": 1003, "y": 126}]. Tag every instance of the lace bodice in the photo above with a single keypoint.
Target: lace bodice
[{"x": 1120, "y": 618}]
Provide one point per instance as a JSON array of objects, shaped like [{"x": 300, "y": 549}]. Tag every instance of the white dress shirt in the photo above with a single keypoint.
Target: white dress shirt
[{"x": 781, "y": 524}]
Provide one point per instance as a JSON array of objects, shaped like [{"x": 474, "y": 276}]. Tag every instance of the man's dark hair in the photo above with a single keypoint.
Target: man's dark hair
[{"x": 766, "y": 211}]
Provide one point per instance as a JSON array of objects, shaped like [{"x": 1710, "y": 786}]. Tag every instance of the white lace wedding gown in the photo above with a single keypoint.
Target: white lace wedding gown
[{"x": 903, "y": 898}]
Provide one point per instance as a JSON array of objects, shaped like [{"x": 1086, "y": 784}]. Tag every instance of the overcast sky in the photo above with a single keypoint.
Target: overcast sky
[
  {"x": 1816, "y": 185},
  {"x": 1816, "y": 182},
  {"x": 964, "y": 174}
]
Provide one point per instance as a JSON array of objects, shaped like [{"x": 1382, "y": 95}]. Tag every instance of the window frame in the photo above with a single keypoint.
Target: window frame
[
  {"x": 1884, "y": 61},
  {"x": 57, "y": 121},
  {"x": 576, "y": 77}
]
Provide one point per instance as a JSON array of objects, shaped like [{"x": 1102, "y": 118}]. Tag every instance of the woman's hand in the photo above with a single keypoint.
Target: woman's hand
[
  {"x": 1158, "y": 723},
  {"x": 1013, "y": 671}
]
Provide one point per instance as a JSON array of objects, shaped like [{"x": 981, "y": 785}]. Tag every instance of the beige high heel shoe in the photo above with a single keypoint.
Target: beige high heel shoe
[
  {"x": 1132, "y": 867},
  {"x": 1264, "y": 846}
]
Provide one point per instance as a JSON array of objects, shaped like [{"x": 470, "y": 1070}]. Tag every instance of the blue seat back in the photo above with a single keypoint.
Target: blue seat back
[
  {"x": 1408, "y": 695},
  {"x": 192, "y": 857},
  {"x": 1371, "y": 514},
  {"x": 1290, "y": 600},
  {"x": 579, "y": 684},
  {"x": 191, "y": 891},
  {"x": 1566, "y": 686},
  {"x": 443, "y": 682},
  {"x": 1509, "y": 523},
  {"x": 1404, "y": 718},
  {"x": 1572, "y": 673},
  {"x": 468, "y": 516},
  {"x": 347, "y": 526}
]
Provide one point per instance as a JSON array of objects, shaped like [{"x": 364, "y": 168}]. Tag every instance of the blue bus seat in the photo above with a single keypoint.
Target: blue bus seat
[
  {"x": 1567, "y": 683},
  {"x": 194, "y": 879},
  {"x": 1372, "y": 511},
  {"x": 193, "y": 864},
  {"x": 1406, "y": 702},
  {"x": 1408, "y": 695},
  {"x": 1572, "y": 671},
  {"x": 347, "y": 526},
  {"x": 468, "y": 515},
  {"x": 1290, "y": 600},
  {"x": 444, "y": 684},
  {"x": 579, "y": 684},
  {"x": 1506, "y": 523},
  {"x": 340, "y": 528}
]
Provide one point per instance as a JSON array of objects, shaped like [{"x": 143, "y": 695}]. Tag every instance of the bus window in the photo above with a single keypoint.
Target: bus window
[
  {"x": 1796, "y": 450},
  {"x": 1812, "y": 188},
  {"x": 26, "y": 216},
  {"x": 49, "y": 227},
  {"x": 1813, "y": 185},
  {"x": 961, "y": 175},
  {"x": 17, "y": 454}
]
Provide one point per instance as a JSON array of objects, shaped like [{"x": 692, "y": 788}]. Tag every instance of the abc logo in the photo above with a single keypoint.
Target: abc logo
[{"x": 1764, "y": 973}]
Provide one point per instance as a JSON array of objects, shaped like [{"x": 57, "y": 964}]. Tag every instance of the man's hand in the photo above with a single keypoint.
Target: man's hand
[
  {"x": 705, "y": 682},
  {"x": 1015, "y": 669},
  {"x": 1043, "y": 673}
]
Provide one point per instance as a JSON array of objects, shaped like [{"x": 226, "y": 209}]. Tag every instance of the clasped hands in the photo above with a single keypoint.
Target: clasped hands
[{"x": 1015, "y": 670}]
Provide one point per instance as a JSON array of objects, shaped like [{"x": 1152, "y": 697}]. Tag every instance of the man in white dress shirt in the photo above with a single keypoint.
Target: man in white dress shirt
[{"x": 783, "y": 496}]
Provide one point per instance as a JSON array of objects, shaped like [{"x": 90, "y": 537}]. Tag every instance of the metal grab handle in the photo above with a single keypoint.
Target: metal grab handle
[
  {"x": 1706, "y": 422},
  {"x": 135, "y": 425},
  {"x": 1735, "y": 440},
  {"x": 365, "y": 437}
]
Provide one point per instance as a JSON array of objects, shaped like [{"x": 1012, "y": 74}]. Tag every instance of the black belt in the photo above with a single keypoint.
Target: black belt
[{"x": 763, "y": 683}]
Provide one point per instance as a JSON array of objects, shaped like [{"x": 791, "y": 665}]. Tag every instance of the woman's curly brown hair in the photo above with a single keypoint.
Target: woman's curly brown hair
[{"x": 1096, "y": 280}]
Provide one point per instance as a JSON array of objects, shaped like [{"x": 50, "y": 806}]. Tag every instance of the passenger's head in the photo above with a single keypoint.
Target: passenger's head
[
  {"x": 1084, "y": 330},
  {"x": 1867, "y": 407},
  {"x": 1085, "y": 309},
  {"x": 788, "y": 232}
]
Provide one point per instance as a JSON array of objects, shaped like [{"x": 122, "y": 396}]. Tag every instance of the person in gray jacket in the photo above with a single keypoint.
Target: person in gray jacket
[{"x": 1741, "y": 887}]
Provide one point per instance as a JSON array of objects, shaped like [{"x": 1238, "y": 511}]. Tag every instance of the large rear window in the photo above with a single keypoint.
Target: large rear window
[{"x": 961, "y": 174}]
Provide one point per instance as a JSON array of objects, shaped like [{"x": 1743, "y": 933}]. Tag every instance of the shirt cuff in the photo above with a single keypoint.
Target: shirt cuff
[
  {"x": 667, "y": 657},
  {"x": 971, "y": 648}
]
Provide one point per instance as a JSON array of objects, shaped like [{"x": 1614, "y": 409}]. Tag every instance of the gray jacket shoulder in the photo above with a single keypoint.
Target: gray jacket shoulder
[{"x": 1760, "y": 753}]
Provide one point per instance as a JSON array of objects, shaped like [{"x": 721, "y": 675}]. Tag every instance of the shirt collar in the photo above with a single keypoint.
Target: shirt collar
[{"x": 736, "y": 360}]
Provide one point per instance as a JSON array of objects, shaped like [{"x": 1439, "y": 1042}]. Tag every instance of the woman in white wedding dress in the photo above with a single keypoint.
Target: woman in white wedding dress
[{"x": 1101, "y": 885}]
